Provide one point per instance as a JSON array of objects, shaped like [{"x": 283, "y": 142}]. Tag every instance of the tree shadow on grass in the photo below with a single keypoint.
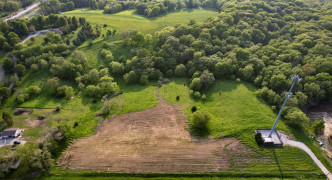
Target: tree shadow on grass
[{"x": 189, "y": 10}]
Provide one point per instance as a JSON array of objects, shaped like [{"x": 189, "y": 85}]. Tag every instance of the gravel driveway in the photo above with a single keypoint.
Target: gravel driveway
[{"x": 288, "y": 142}]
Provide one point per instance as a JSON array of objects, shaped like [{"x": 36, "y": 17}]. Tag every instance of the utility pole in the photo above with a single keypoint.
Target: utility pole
[{"x": 295, "y": 79}]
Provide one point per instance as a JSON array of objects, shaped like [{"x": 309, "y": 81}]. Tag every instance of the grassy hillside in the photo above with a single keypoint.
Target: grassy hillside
[
  {"x": 128, "y": 19},
  {"x": 235, "y": 111}
]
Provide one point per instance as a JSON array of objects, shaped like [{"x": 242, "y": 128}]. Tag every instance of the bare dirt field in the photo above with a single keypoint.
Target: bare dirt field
[{"x": 153, "y": 140}]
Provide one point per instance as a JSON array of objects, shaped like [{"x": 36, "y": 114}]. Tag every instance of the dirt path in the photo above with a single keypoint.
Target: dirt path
[{"x": 305, "y": 148}]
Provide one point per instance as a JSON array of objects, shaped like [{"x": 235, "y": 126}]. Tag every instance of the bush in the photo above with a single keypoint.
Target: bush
[
  {"x": 318, "y": 126},
  {"x": 259, "y": 139},
  {"x": 34, "y": 67},
  {"x": 58, "y": 108},
  {"x": 200, "y": 121},
  {"x": 33, "y": 90},
  {"x": 177, "y": 98},
  {"x": 197, "y": 95},
  {"x": 196, "y": 84},
  {"x": 169, "y": 73},
  {"x": 130, "y": 77},
  {"x": 203, "y": 97},
  {"x": 75, "y": 124},
  {"x": 8, "y": 119},
  {"x": 144, "y": 80},
  {"x": 194, "y": 109},
  {"x": 21, "y": 98},
  {"x": 180, "y": 70}
]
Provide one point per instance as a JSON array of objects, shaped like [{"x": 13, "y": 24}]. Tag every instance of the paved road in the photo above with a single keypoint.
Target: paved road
[
  {"x": 305, "y": 148},
  {"x": 21, "y": 13},
  {"x": 36, "y": 34}
]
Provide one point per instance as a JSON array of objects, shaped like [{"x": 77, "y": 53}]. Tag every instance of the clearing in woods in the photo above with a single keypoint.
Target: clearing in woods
[
  {"x": 129, "y": 19},
  {"x": 153, "y": 140}
]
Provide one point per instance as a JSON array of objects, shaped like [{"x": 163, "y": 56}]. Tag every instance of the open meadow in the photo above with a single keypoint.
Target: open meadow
[
  {"x": 156, "y": 140},
  {"x": 129, "y": 19}
]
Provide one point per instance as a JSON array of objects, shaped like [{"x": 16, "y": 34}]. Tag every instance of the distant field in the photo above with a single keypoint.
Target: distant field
[{"x": 128, "y": 19}]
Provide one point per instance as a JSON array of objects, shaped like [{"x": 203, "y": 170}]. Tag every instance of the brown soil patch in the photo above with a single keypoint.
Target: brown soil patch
[
  {"x": 153, "y": 140},
  {"x": 36, "y": 123}
]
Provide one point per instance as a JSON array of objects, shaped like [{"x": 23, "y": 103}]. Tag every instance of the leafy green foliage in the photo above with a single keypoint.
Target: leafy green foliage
[
  {"x": 318, "y": 126},
  {"x": 259, "y": 138},
  {"x": 200, "y": 121}
]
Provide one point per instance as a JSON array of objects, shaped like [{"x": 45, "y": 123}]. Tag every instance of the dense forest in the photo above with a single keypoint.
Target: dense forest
[
  {"x": 262, "y": 42},
  {"x": 10, "y": 6}
]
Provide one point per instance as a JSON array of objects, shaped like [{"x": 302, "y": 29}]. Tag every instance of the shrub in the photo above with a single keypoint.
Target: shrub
[
  {"x": 194, "y": 109},
  {"x": 32, "y": 90},
  {"x": 34, "y": 67},
  {"x": 169, "y": 73},
  {"x": 8, "y": 119},
  {"x": 259, "y": 139},
  {"x": 21, "y": 98},
  {"x": 90, "y": 43},
  {"x": 130, "y": 77},
  {"x": 144, "y": 80},
  {"x": 58, "y": 108},
  {"x": 318, "y": 126},
  {"x": 75, "y": 124},
  {"x": 203, "y": 97},
  {"x": 177, "y": 98},
  {"x": 200, "y": 121},
  {"x": 180, "y": 70},
  {"x": 191, "y": 93},
  {"x": 196, "y": 84},
  {"x": 197, "y": 95}
]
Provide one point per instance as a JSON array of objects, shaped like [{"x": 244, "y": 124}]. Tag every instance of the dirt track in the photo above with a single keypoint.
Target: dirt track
[{"x": 153, "y": 140}]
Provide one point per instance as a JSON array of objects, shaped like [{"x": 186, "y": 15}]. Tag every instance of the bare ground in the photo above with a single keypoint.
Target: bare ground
[{"x": 153, "y": 140}]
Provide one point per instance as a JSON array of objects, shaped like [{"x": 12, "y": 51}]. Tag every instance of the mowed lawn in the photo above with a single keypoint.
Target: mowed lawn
[{"x": 129, "y": 19}]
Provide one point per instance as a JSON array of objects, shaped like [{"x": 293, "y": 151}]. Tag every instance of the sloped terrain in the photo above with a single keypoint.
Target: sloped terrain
[{"x": 153, "y": 140}]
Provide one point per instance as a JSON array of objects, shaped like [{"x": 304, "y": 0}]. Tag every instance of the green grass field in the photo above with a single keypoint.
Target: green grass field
[
  {"x": 128, "y": 19},
  {"x": 235, "y": 111}
]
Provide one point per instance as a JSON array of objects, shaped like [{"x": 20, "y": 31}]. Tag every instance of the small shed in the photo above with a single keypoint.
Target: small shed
[{"x": 11, "y": 132}]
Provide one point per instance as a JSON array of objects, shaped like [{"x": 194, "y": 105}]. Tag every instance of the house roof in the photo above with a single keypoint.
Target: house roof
[{"x": 9, "y": 132}]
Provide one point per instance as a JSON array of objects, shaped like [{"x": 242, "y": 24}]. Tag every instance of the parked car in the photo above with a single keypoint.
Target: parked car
[
  {"x": 4, "y": 137},
  {"x": 17, "y": 142},
  {"x": 320, "y": 143}
]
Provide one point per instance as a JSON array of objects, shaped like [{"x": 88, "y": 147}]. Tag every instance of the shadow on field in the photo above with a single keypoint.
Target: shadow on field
[
  {"x": 277, "y": 162},
  {"x": 188, "y": 10}
]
